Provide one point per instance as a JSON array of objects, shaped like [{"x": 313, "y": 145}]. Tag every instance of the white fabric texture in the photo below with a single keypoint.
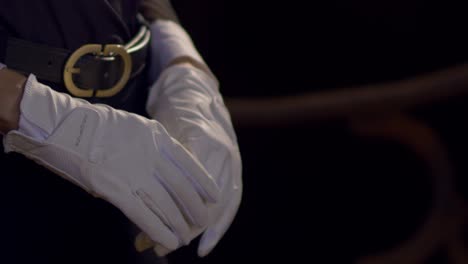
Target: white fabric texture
[
  {"x": 2, "y": 65},
  {"x": 169, "y": 41},
  {"x": 191, "y": 108},
  {"x": 190, "y": 114},
  {"x": 126, "y": 159}
]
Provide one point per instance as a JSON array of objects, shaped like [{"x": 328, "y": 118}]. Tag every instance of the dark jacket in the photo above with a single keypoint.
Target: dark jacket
[{"x": 46, "y": 219}]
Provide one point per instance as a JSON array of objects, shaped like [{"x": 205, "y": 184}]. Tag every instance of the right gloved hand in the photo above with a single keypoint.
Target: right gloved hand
[
  {"x": 126, "y": 159},
  {"x": 191, "y": 108}
]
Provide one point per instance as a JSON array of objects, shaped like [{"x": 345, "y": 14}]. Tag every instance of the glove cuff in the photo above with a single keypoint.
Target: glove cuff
[
  {"x": 42, "y": 109},
  {"x": 169, "y": 41}
]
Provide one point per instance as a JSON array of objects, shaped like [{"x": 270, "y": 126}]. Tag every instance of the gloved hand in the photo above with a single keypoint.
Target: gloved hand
[
  {"x": 126, "y": 159},
  {"x": 186, "y": 100},
  {"x": 192, "y": 110}
]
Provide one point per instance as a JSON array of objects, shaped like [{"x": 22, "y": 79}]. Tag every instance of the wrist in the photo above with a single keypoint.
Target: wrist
[
  {"x": 197, "y": 64},
  {"x": 11, "y": 92},
  {"x": 43, "y": 109}
]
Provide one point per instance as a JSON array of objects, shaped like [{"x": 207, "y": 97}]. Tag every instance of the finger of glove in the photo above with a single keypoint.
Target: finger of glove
[
  {"x": 184, "y": 193},
  {"x": 136, "y": 210},
  {"x": 192, "y": 169},
  {"x": 215, "y": 232},
  {"x": 162, "y": 204}
]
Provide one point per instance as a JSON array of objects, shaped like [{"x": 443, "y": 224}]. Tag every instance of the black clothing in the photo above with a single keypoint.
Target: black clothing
[{"x": 45, "y": 218}]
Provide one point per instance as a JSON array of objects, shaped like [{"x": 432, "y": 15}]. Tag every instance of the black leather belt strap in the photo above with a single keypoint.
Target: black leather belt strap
[{"x": 96, "y": 72}]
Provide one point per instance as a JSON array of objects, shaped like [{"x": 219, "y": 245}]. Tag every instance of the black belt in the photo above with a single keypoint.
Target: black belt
[{"x": 94, "y": 70}]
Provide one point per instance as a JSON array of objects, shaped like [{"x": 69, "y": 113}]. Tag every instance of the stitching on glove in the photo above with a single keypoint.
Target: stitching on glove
[
  {"x": 153, "y": 207},
  {"x": 199, "y": 188},
  {"x": 185, "y": 212}
]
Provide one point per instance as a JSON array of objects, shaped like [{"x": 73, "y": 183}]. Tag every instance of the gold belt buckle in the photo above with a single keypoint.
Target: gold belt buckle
[{"x": 109, "y": 50}]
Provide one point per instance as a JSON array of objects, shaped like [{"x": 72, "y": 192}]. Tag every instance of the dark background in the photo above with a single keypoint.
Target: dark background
[{"x": 315, "y": 193}]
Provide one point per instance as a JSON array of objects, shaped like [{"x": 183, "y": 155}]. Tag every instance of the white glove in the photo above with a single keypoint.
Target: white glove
[
  {"x": 192, "y": 110},
  {"x": 188, "y": 103},
  {"x": 169, "y": 41},
  {"x": 126, "y": 159}
]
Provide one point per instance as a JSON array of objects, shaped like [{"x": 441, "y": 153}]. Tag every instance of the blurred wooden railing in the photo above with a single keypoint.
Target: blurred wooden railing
[
  {"x": 444, "y": 225},
  {"x": 380, "y": 111},
  {"x": 354, "y": 101}
]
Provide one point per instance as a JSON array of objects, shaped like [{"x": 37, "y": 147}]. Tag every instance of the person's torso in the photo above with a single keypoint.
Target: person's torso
[{"x": 46, "y": 219}]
